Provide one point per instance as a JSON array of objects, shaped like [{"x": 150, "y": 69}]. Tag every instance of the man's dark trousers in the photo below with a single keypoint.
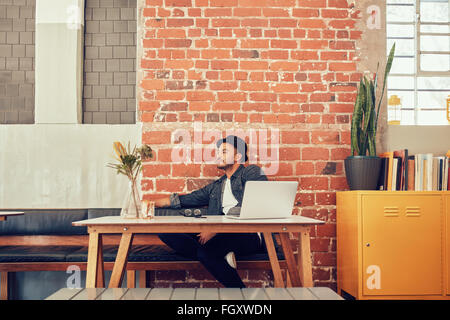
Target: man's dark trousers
[{"x": 212, "y": 253}]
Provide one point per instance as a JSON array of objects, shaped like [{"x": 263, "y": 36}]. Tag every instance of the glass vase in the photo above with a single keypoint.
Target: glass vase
[{"x": 132, "y": 208}]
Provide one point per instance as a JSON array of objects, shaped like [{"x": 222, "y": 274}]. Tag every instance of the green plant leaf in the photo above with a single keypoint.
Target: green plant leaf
[{"x": 386, "y": 74}]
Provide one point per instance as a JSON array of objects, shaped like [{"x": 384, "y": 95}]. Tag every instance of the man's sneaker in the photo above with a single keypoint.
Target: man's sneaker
[{"x": 231, "y": 259}]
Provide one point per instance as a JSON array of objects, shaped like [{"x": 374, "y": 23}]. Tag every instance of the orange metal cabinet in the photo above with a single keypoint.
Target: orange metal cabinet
[
  {"x": 392, "y": 244},
  {"x": 447, "y": 241}
]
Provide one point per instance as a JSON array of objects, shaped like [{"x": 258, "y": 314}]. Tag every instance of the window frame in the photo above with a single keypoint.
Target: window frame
[
  {"x": 416, "y": 23},
  {"x": 419, "y": 23}
]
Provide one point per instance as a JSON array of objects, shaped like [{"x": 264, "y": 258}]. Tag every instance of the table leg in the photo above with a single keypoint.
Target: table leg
[
  {"x": 304, "y": 258},
  {"x": 121, "y": 260},
  {"x": 290, "y": 260},
  {"x": 278, "y": 279},
  {"x": 4, "y": 285},
  {"x": 95, "y": 261},
  {"x": 100, "y": 283}
]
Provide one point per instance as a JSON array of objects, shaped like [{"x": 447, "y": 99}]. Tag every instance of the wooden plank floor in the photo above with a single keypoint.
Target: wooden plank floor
[{"x": 315, "y": 293}]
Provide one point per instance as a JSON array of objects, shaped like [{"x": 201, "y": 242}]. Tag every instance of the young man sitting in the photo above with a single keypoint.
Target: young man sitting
[{"x": 216, "y": 250}]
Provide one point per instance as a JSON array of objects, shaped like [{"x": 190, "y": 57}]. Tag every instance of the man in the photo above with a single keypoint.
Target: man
[{"x": 216, "y": 251}]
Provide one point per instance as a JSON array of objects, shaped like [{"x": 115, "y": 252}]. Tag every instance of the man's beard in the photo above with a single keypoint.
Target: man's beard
[{"x": 224, "y": 166}]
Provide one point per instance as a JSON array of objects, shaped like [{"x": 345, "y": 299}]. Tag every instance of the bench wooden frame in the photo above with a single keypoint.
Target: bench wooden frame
[{"x": 132, "y": 267}]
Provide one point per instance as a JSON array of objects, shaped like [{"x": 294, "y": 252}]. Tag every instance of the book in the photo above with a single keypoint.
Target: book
[
  {"x": 394, "y": 174},
  {"x": 399, "y": 174},
  {"x": 434, "y": 175},
  {"x": 429, "y": 178},
  {"x": 405, "y": 171},
  {"x": 446, "y": 181},
  {"x": 382, "y": 180},
  {"x": 390, "y": 157},
  {"x": 418, "y": 162},
  {"x": 425, "y": 174},
  {"x": 447, "y": 171},
  {"x": 402, "y": 154},
  {"x": 411, "y": 175}
]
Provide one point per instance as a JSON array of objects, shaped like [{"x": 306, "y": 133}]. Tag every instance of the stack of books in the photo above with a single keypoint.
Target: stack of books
[{"x": 419, "y": 172}]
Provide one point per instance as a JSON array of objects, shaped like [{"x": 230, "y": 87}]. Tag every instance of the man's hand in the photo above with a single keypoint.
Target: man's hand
[
  {"x": 162, "y": 202},
  {"x": 205, "y": 237}
]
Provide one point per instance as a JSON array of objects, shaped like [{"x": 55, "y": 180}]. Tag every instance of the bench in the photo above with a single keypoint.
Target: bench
[{"x": 45, "y": 240}]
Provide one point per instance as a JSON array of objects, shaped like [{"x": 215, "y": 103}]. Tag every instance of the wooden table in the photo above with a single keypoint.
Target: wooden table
[
  {"x": 300, "y": 272},
  {"x": 315, "y": 293},
  {"x": 5, "y": 214}
]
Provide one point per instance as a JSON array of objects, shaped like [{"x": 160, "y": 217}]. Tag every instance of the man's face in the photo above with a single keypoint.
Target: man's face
[{"x": 226, "y": 156}]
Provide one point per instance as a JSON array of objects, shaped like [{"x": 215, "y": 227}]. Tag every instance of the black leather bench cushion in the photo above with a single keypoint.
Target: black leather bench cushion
[
  {"x": 35, "y": 254},
  {"x": 151, "y": 253},
  {"x": 44, "y": 222},
  {"x": 137, "y": 254},
  {"x": 80, "y": 255}
]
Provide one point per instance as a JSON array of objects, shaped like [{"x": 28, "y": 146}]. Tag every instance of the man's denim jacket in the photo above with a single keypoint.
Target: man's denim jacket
[{"x": 211, "y": 195}]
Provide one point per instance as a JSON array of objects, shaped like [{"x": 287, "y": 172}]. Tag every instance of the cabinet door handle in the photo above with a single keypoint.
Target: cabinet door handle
[{"x": 367, "y": 244}]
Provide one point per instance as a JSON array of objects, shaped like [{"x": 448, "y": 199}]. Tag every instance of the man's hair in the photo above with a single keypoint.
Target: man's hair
[{"x": 238, "y": 144}]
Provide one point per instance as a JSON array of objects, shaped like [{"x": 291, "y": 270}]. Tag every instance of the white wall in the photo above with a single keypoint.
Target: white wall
[{"x": 62, "y": 165}]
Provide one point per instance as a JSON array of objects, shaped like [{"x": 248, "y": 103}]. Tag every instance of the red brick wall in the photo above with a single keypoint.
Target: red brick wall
[{"x": 252, "y": 64}]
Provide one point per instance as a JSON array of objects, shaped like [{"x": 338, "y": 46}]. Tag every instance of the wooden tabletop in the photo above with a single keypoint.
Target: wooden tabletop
[
  {"x": 4, "y": 214},
  {"x": 207, "y": 220},
  {"x": 311, "y": 293}
]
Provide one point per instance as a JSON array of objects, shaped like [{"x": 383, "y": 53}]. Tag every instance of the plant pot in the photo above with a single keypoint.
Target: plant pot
[{"x": 362, "y": 172}]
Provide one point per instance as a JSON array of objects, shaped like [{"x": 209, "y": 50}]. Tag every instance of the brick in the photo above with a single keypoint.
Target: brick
[
  {"x": 224, "y": 64},
  {"x": 338, "y": 183},
  {"x": 314, "y": 183},
  {"x": 113, "y": 92},
  {"x": 156, "y": 170},
  {"x": 340, "y": 153},
  {"x": 342, "y": 66},
  {"x": 326, "y": 198},
  {"x": 338, "y": 4},
  {"x": 156, "y": 137},
  {"x": 325, "y": 137},
  {"x": 170, "y": 185},
  {"x": 254, "y": 43},
  {"x": 5, "y": 50},
  {"x": 305, "y": 13},
  {"x": 127, "y": 117},
  {"x": 312, "y": 3},
  {"x": 180, "y": 22},
  {"x": 186, "y": 170},
  {"x": 200, "y": 96},
  {"x": 152, "y": 84},
  {"x": 177, "y": 43},
  {"x": 295, "y": 137},
  {"x": 313, "y": 153},
  {"x": 11, "y": 117},
  {"x": 284, "y": 66},
  {"x": 106, "y": 78},
  {"x": 284, "y": 44}
]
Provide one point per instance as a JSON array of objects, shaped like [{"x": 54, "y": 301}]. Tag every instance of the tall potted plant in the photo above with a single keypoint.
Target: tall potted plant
[{"x": 362, "y": 167}]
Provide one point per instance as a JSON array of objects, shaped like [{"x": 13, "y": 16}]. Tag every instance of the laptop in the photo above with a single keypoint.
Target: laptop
[{"x": 266, "y": 200}]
